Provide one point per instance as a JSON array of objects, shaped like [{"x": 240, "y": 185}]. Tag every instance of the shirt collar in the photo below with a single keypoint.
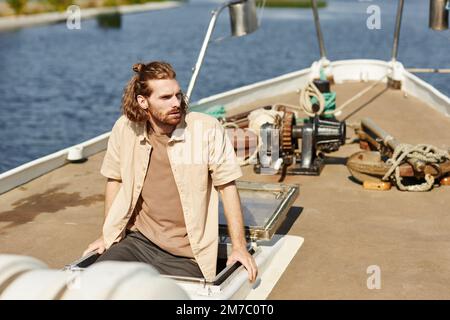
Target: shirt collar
[{"x": 177, "y": 134}]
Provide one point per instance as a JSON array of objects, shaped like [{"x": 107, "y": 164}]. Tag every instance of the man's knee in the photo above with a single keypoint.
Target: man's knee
[{"x": 117, "y": 252}]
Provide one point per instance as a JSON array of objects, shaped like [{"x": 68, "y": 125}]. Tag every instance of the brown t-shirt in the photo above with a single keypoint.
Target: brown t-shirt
[{"x": 159, "y": 214}]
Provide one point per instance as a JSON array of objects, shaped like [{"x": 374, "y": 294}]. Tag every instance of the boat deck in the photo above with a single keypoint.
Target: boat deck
[{"x": 346, "y": 228}]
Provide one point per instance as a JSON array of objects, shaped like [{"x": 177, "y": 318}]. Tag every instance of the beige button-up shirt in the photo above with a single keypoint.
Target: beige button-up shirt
[{"x": 201, "y": 157}]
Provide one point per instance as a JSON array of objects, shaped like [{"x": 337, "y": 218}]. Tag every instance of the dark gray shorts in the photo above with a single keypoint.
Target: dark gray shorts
[{"x": 136, "y": 247}]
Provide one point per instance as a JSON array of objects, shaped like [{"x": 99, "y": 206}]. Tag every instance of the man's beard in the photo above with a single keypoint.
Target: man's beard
[{"x": 172, "y": 117}]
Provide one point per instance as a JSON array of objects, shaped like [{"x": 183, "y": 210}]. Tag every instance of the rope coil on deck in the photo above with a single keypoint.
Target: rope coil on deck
[
  {"x": 308, "y": 92},
  {"x": 425, "y": 153},
  {"x": 311, "y": 91}
]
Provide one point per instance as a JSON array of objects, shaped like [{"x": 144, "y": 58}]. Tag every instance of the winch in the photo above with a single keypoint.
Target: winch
[
  {"x": 270, "y": 139},
  {"x": 279, "y": 145}
]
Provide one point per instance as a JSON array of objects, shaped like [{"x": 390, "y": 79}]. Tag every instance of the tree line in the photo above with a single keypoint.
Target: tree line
[{"x": 20, "y": 6}]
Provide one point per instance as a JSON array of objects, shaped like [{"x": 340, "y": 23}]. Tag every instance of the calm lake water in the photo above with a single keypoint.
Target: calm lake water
[{"x": 59, "y": 87}]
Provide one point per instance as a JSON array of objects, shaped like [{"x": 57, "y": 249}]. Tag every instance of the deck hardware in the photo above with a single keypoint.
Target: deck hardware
[
  {"x": 439, "y": 11},
  {"x": 317, "y": 136},
  {"x": 75, "y": 154},
  {"x": 394, "y": 161},
  {"x": 243, "y": 19}
]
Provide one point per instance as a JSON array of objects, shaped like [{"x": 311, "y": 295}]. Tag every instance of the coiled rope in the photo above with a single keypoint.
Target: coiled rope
[
  {"x": 310, "y": 91},
  {"x": 306, "y": 94},
  {"x": 422, "y": 152}
]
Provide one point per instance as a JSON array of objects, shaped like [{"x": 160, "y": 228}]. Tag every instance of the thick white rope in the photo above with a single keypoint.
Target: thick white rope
[
  {"x": 422, "y": 152},
  {"x": 306, "y": 94},
  {"x": 310, "y": 90}
]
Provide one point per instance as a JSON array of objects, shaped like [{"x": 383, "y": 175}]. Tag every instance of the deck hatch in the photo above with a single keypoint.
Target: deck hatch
[{"x": 264, "y": 207}]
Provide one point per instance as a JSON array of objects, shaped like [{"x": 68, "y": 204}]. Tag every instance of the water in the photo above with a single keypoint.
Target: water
[{"x": 59, "y": 87}]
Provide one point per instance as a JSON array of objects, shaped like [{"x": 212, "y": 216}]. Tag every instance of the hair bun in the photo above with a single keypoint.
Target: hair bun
[{"x": 137, "y": 67}]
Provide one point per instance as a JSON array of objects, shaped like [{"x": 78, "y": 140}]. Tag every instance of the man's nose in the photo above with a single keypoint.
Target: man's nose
[{"x": 176, "y": 102}]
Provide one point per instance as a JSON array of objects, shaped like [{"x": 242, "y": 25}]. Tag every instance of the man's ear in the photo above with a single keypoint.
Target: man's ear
[{"x": 142, "y": 101}]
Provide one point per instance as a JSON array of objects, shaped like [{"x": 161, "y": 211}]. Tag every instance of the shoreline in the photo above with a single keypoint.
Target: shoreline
[
  {"x": 299, "y": 4},
  {"x": 25, "y": 21}
]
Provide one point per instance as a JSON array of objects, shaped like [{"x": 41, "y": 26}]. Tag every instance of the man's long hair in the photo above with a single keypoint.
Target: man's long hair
[{"x": 139, "y": 85}]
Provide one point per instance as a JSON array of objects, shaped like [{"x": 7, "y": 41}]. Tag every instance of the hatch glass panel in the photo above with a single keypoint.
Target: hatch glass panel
[{"x": 264, "y": 206}]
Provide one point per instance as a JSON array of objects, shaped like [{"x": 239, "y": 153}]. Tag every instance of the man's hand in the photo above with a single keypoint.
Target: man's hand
[
  {"x": 246, "y": 259},
  {"x": 98, "y": 245},
  {"x": 111, "y": 190},
  {"x": 233, "y": 214}
]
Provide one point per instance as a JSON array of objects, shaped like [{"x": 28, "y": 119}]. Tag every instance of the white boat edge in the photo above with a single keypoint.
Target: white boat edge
[
  {"x": 24, "y": 278},
  {"x": 342, "y": 71},
  {"x": 272, "y": 258},
  {"x": 275, "y": 266}
]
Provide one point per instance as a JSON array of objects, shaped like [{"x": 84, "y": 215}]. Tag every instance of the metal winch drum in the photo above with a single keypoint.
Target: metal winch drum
[{"x": 279, "y": 145}]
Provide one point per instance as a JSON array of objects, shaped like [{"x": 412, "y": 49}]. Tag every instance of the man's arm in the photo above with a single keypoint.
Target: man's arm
[
  {"x": 111, "y": 189},
  {"x": 233, "y": 214}
]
